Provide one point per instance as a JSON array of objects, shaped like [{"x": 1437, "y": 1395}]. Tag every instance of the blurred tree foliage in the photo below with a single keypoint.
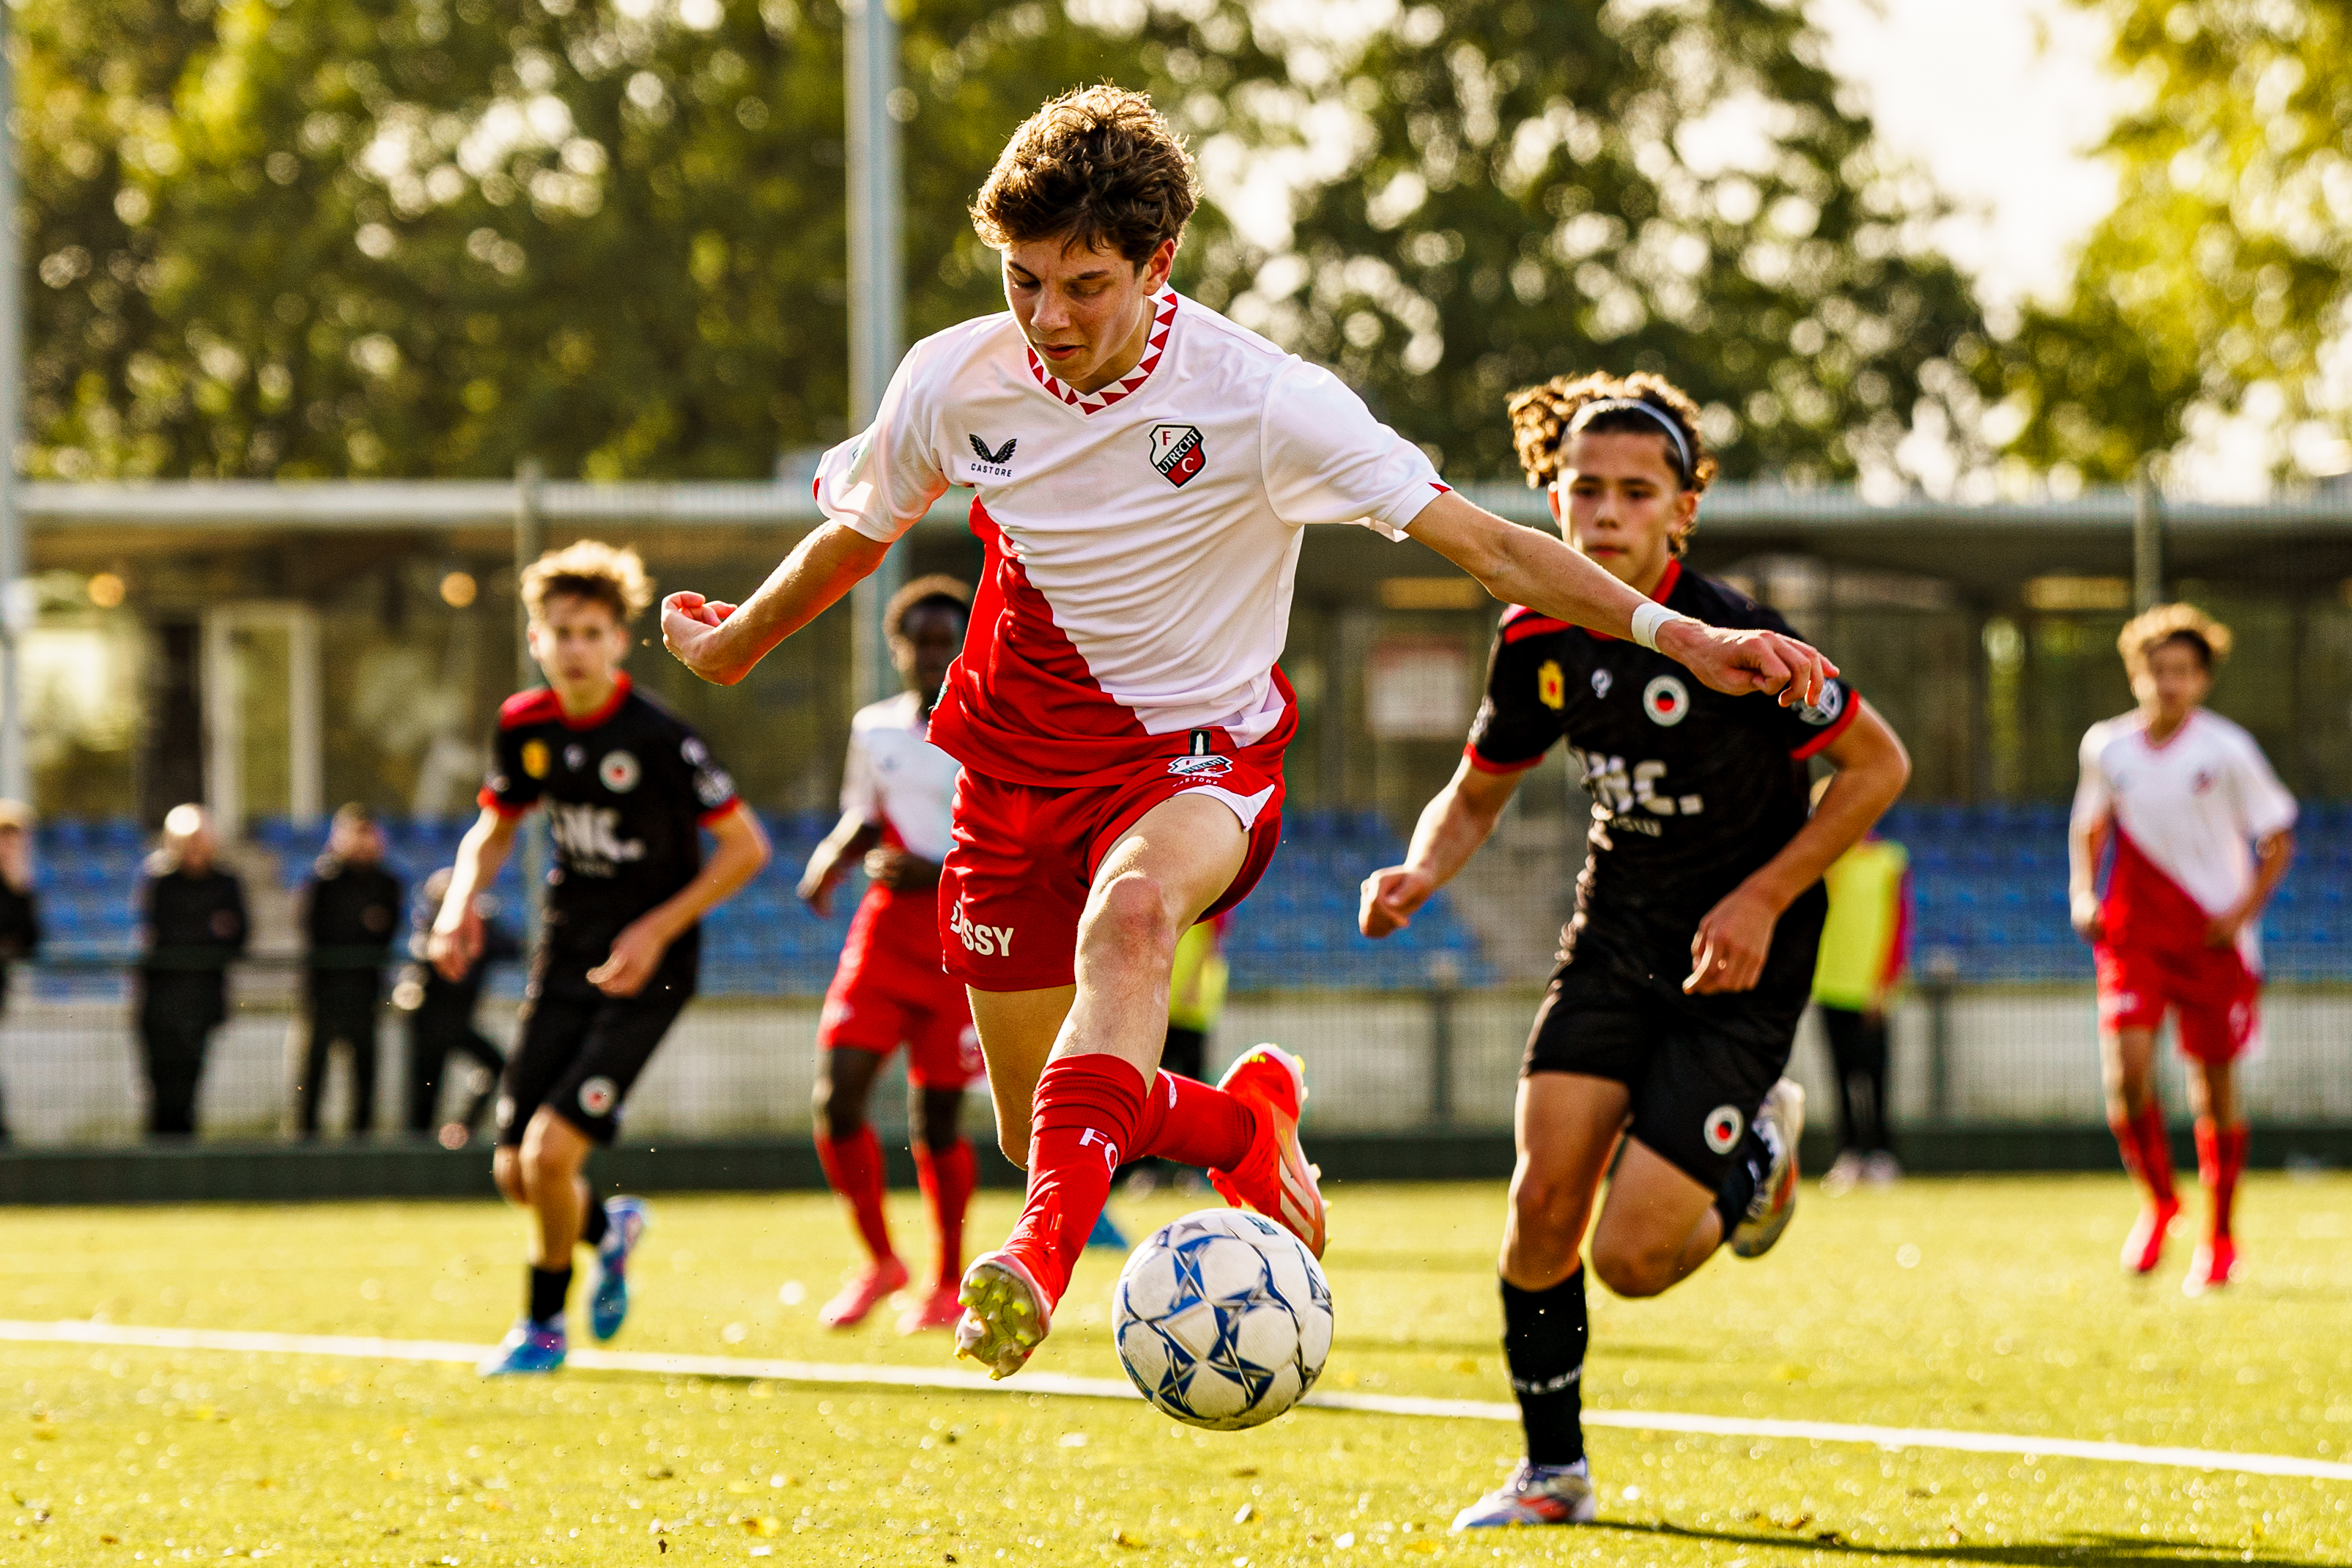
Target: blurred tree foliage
[
  {"x": 1546, "y": 188},
  {"x": 436, "y": 236},
  {"x": 2224, "y": 272}
]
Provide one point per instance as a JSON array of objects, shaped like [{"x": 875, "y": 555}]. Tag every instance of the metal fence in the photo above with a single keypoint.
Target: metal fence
[{"x": 1432, "y": 1059}]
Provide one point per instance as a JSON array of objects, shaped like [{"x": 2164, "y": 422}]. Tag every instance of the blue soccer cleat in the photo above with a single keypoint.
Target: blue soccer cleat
[
  {"x": 529, "y": 1347},
  {"x": 608, "y": 1303},
  {"x": 1106, "y": 1233}
]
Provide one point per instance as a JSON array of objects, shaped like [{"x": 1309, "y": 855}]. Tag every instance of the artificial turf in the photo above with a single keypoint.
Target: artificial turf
[{"x": 1989, "y": 1305}]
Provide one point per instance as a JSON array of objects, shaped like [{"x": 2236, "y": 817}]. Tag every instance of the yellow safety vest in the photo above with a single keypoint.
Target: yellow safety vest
[{"x": 1864, "y": 887}]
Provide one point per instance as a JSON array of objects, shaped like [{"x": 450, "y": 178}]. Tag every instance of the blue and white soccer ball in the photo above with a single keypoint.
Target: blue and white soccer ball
[{"x": 1223, "y": 1318}]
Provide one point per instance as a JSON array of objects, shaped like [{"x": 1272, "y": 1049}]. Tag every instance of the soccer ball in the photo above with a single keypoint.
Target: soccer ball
[{"x": 1223, "y": 1318}]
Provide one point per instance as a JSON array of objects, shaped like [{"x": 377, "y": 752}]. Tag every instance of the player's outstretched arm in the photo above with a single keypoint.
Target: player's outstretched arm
[
  {"x": 1733, "y": 938},
  {"x": 1457, "y": 820},
  {"x": 1521, "y": 566},
  {"x": 456, "y": 943},
  {"x": 720, "y": 642},
  {"x": 843, "y": 848},
  {"x": 2086, "y": 843},
  {"x": 742, "y": 850}
]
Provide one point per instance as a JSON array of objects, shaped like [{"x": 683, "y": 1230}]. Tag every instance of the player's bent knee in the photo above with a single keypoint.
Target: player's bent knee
[
  {"x": 506, "y": 1171},
  {"x": 1130, "y": 916},
  {"x": 1631, "y": 1269}
]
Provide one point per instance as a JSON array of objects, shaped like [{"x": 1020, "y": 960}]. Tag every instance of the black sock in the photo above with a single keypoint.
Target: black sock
[
  {"x": 1543, "y": 1343},
  {"x": 1751, "y": 1162},
  {"x": 549, "y": 1288},
  {"x": 594, "y": 1223}
]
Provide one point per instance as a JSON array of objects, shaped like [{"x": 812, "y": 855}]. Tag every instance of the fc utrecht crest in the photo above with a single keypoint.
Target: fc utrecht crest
[{"x": 1176, "y": 451}]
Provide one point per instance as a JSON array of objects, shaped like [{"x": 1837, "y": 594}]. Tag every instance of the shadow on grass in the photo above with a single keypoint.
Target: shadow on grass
[{"x": 2072, "y": 1547}]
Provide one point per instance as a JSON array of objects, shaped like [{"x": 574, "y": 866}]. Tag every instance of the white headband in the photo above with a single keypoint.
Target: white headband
[{"x": 1592, "y": 411}]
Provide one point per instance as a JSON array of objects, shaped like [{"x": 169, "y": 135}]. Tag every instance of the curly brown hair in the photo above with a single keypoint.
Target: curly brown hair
[
  {"x": 938, "y": 588},
  {"x": 1543, "y": 417},
  {"x": 2151, "y": 629},
  {"x": 590, "y": 570},
  {"x": 1097, "y": 167}
]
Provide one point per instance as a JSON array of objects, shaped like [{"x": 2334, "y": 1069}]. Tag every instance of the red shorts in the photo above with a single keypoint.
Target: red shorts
[
  {"x": 1024, "y": 858},
  {"x": 2218, "y": 999},
  {"x": 888, "y": 991}
]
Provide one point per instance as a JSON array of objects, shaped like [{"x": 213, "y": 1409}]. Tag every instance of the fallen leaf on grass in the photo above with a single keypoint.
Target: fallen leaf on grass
[
  {"x": 763, "y": 1524},
  {"x": 1118, "y": 1537}
]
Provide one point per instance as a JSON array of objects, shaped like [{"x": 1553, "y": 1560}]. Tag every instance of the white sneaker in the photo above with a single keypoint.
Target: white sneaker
[
  {"x": 1846, "y": 1173},
  {"x": 1536, "y": 1494},
  {"x": 1780, "y": 1122}
]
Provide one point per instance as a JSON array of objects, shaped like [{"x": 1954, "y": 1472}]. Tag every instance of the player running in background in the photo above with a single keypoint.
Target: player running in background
[
  {"x": 896, "y": 793},
  {"x": 626, "y": 785},
  {"x": 2179, "y": 792},
  {"x": 1690, "y": 955},
  {"x": 1144, "y": 469}
]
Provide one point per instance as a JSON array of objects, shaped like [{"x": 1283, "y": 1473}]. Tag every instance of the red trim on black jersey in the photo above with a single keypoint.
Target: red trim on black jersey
[
  {"x": 716, "y": 812},
  {"x": 1489, "y": 765},
  {"x": 1838, "y": 726},
  {"x": 1660, "y": 595},
  {"x": 511, "y": 813},
  {"x": 539, "y": 705},
  {"x": 1520, "y": 623}
]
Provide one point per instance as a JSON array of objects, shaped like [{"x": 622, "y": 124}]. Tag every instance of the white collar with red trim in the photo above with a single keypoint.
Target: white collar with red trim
[{"x": 1163, "y": 317}]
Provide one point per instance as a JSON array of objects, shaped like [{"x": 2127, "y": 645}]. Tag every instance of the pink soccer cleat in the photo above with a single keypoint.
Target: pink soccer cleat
[
  {"x": 867, "y": 1289},
  {"x": 1273, "y": 1177}
]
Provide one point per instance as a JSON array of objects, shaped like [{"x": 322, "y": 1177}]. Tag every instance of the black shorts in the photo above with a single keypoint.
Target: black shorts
[
  {"x": 1697, "y": 1067},
  {"x": 578, "y": 1052}
]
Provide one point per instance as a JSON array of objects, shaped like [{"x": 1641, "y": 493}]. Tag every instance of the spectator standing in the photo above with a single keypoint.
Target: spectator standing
[
  {"x": 1865, "y": 943},
  {"x": 351, "y": 908},
  {"x": 441, "y": 1014},
  {"x": 20, "y": 920},
  {"x": 193, "y": 913}
]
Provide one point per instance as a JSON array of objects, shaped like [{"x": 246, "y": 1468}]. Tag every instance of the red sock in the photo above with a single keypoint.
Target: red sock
[
  {"x": 1192, "y": 1123},
  {"x": 2155, "y": 1153},
  {"x": 2220, "y": 1155},
  {"x": 854, "y": 1168},
  {"x": 1082, "y": 1127},
  {"x": 947, "y": 1179}
]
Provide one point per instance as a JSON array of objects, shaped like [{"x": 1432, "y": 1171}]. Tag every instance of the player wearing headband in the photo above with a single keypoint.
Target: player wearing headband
[
  {"x": 1690, "y": 956},
  {"x": 1144, "y": 471}
]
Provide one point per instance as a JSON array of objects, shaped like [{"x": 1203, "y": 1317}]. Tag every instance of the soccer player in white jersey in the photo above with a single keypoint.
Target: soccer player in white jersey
[
  {"x": 1145, "y": 469},
  {"x": 2179, "y": 792},
  {"x": 890, "y": 988}
]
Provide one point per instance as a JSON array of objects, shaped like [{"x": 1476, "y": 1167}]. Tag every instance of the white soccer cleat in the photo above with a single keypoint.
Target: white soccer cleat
[
  {"x": 1005, "y": 1317},
  {"x": 1780, "y": 1122},
  {"x": 1536, "y": 1494}
]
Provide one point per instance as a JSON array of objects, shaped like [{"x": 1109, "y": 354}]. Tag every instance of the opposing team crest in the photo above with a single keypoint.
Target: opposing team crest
[
  {"x": 1177, "y": 452},
  {"x": 534, "y": 758},
  {"x": 620, "y": 771},
  {"x": 1724, "y": 1126},
  {"x": 1826, "y": 711},
  {"x": 1666, "y": 700},
  {"x": 1551, "y": 687},
  {"x": 598, "y": 1095}
]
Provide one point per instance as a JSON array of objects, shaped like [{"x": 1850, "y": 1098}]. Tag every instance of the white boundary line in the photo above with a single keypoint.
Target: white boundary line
[{"x": 746, "y": 1369}]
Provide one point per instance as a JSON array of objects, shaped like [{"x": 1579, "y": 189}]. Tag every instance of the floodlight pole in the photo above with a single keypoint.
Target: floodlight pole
[
  {"x": 877, "y": 286},
  {"x": 15, "y": 604},
  {"x": 2147, "y": 539}
]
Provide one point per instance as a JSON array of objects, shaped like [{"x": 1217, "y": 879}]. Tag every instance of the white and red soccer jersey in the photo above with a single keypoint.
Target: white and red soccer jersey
[
  {"x": 2185, "y": 813},
  {"x": 896, "y": 780},
  {"x": 1142, "y": 539}
]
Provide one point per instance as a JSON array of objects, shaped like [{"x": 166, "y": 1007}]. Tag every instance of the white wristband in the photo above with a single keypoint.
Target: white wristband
[{"x": 1648, "y": 617}]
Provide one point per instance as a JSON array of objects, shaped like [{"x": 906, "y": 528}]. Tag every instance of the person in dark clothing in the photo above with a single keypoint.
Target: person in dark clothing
[
  {"x": 194, "y": 918},
  {"x": 351, "y": 908},
  {"x": 20, "y": 920},
  {"x": 441, "y": 1015}
]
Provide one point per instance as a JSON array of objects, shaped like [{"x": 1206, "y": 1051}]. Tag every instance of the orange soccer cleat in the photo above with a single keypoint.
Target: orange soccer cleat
[
  {"x": 1273, "y": 1177},
  {"x": 865, "y": 1290},
  {"x": 2210, "y": 1268},
  {"x": 939, "y": 1308}
]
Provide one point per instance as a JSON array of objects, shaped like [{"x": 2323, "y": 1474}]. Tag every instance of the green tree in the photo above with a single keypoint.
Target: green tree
[
  {"x": 1556, "y": 187},
  {"x": 2223, "y": 275}
]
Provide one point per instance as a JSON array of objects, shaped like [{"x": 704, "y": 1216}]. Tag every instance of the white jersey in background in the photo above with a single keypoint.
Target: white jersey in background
[
  {"x": 2186, "y": 811},
  {"x": 1142, "y": 539},
  {"x": 896, "y": 780}
]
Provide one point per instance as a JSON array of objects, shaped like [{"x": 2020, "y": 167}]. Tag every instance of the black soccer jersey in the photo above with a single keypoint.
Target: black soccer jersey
[
  {"x": 626, "y": 789},
  {"x": 1691, "y": 789}
]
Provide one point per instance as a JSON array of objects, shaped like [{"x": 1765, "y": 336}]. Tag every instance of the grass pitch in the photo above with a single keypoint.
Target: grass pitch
[{"x": 1990, "y": 1305}]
